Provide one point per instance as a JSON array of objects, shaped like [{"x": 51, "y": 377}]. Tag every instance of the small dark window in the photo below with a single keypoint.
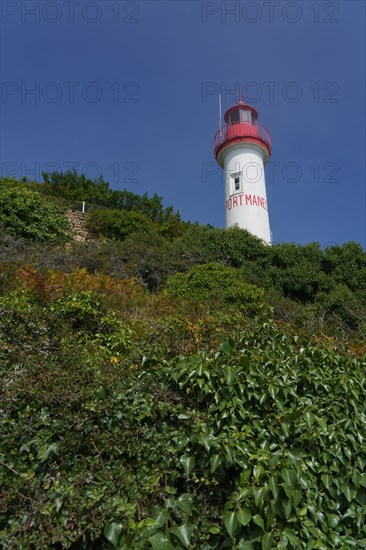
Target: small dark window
[
  {"x": 234, "y": 116},
  {"x": 237, "y": 183}
]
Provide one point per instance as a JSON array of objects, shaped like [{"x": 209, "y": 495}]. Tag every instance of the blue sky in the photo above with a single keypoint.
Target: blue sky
[{"x": 130, "y": 90}]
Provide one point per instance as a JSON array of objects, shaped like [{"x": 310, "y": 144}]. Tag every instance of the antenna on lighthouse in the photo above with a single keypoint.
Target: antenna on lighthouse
[{"x": 220, "y": 116}]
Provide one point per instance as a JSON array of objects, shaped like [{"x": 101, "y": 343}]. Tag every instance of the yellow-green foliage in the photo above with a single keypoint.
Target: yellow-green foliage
[
  {"x": 215, "y": 282},
  {"x": 28, "y": 215}
]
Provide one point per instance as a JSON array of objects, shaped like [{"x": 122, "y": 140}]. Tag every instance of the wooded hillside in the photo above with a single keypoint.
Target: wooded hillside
[{"x": 167, "y": 385}]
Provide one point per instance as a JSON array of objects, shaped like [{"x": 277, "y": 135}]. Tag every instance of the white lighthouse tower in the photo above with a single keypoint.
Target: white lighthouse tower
[{"x": 242, "y": 148}]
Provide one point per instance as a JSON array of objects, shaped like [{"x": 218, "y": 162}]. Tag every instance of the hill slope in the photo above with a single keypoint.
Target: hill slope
[{"x": 178, "y": 386}]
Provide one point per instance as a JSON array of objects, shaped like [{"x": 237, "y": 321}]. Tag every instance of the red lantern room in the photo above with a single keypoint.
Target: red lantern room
[{"x": 241, "y": 125}]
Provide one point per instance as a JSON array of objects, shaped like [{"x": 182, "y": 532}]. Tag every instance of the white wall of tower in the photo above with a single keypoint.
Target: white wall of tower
[{"x": 245, "y": 189}]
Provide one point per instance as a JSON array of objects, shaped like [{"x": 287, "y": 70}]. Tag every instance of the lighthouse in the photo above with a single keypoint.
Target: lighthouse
[{"x": 242, "y": 147}]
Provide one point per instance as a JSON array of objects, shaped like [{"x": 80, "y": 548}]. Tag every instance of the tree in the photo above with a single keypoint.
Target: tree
[{"x": 28, "y": 215}]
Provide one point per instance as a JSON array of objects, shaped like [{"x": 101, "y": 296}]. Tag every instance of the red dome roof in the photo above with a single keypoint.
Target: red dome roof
[{"x": 240, "y": 105}]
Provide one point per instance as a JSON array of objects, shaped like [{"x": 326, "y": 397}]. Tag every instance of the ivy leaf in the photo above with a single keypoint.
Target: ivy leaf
[
  {"x": 230, "y": 374},
  {"x": 160, "y": 517},
  {"x": 272, "y": 391},
  {"x": 245, "y": 545},
  {"x": 160, "y": 541},
  {"x": 258, "y": 471},
  {"x": 309, "y": 418},
  {"x": 332, "y": 521},
  {"x": 288, "y": 476},
  {"x": 51, "y": 449},
  {"x": 258, "y": 520},
  {"x": 227, "y": 347},
  {"x": 273, "y": 485},
  {"x": 112, "y": 532},
  {"x": 291, "y": 536},
  {"x": 288, "y": 489},
  {"x": 348, "y": 492},
  {"x": 188, "y": 464},
  {"x": 296, "y": 496},
  {"x": 327, "y": 480},
  {"x": 215, "y": 461},
  {"x": 184, "y": 533},
  {"x": 231, "y": 522},
  {"x": 243, "y": 516},
  {"x": 267, "y": 541},
  {"x": 207, "y": 441},
  {"x": 58, "y": 503},
  {"x": 185, "y": 504},
  {"x": 182, "y": 442}
]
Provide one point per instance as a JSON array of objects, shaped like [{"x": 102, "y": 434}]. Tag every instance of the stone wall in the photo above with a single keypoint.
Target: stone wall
[{"x": 78, "y": 226}]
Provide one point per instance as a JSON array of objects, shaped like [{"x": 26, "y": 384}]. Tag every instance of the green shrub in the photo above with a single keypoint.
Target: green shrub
[
  {"x": 215, "y": 282},
  {"x": 343, "y": 303},
  {"x": 233, "y": 247},
  {"x": 118, "y": 224},
  {"x": 27, "y": 215},
  {"x": 110, "y": 439}
]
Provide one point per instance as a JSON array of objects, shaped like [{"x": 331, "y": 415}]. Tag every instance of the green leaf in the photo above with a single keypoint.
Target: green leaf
[
  {"x": 227, "y": 347},
  {"x": 327, "y": 480},
  {"x": 207, "y": 440},
  {"x": 289, "y": 476},
  {"x": 309, "y": 418},
  {"x": 259, "y": 494},
  {"x": 160, "y": 517},
  {"x": 230, "y": 374},
  {"x": 160, "y": 541},
  {"x": 215, "y": 461},
  {"x": 267, "y": 541},
  {"x": 332, "y": 521},
  {"x": 296, "y": 496},
  {"x": 258, "y": 472},
  {"x": 231, "y": 522},
  {"x": 258, "y": 520},
  {"x": 51, "y": 449},
  {"x": 272, "y": 391},
  {"x": 291, "y": 536},
  {"x": 184, "y": 533},
  {"x": 348, "y": 492},
  {"x": 101, "y": 393},
  {"x": 288, "y": 508},
  {"x": 58, "y": 503},
  {"x": 112, "y": 532},
  {"x": 230, "y": 454},
  {"x": 288, "y": 490},
  {"x": 185, "y": 504},
  {"x": 273, "y": 485},
  {"x": 245, "y": 545},
  {"x": 243, "y": 516},
  {"x": 182, "y": 442},
  {"x": 188, "y": 464}
]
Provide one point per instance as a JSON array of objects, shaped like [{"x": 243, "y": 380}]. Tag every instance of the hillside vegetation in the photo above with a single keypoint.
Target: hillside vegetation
[{"x": 170, "y": 385}]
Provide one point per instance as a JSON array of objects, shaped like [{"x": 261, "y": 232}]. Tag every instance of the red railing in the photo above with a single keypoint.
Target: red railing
[{"x": 237, "y": 130}]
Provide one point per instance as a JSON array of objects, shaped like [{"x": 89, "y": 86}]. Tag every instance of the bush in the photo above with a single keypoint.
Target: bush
[
  {"x": 118, "y": 224},
  {"x": 216, "y": 283},
  {"x": 71, "y": 186},
  {"x": 110, "y": 439},
  {"x": 27, "y": 215},
  {"x": 343, "y": 303},
  {"x": 233, "y": 247}
]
